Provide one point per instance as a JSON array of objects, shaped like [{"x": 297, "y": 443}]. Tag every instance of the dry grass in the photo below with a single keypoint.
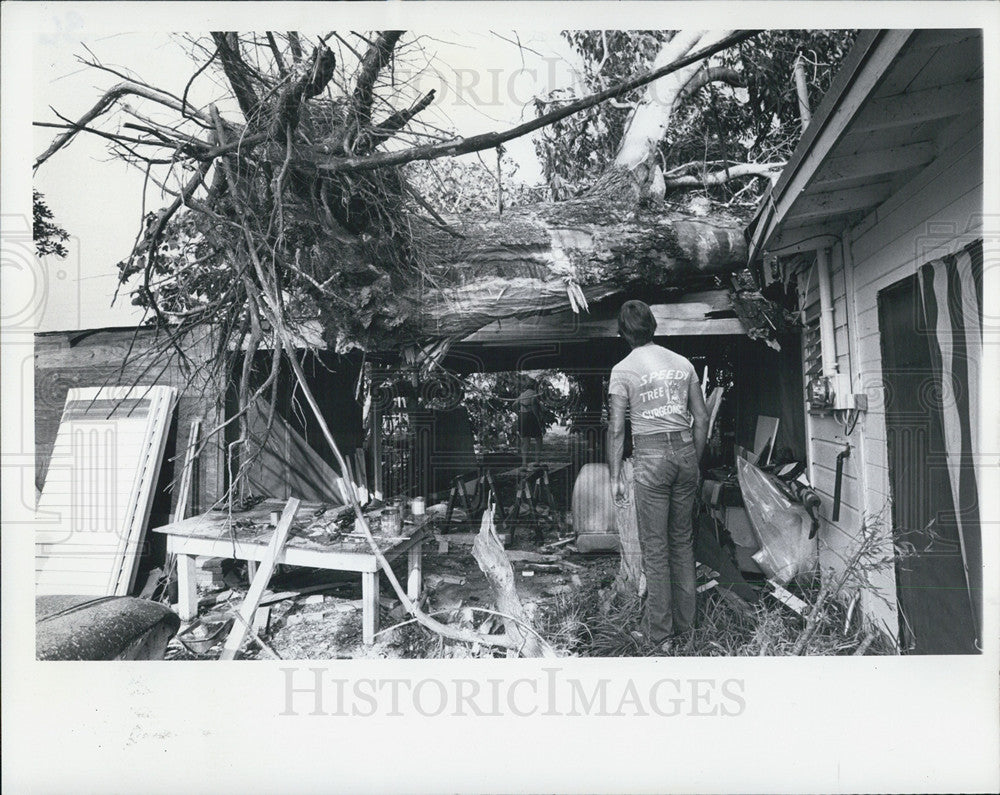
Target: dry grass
[{"x": 601, "y": 625}]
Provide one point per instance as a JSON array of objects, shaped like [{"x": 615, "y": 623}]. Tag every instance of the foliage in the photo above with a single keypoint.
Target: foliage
[
  {"x": 49, "y": 236},
  {"x": 491, "y": 399},
  {"x": 717, "y": 126},
  {"x": 457, "y": 185}
]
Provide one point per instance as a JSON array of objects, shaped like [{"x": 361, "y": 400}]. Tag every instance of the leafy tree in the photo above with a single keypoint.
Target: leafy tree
[
  {"x": 49, "y": 236},
  {"x": 745, "y": 110}
]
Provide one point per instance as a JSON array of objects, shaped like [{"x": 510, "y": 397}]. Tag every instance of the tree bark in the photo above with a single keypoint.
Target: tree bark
[{"x": 522, "y": 262}]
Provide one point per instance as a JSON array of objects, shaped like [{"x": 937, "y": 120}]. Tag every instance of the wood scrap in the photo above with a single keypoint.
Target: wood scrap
[
  {"x": 556, "y": 544},
  {"x": 492, "y": 559},
  {"x": 261, "y": 620},
  {"x": 272, "y": 598},
  {"x": 256, "y": 591}
]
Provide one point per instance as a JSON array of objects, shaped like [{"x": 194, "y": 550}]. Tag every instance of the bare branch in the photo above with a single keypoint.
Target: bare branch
[
  {"x": 477, "y": 143},
  {"x": 308, "y": 85},
  {"x": 769, "y": 170},
  {"x": 104, "y": 104},
  {"x": 398, "y": 120},
  {"x": 236, "y": 69},
  {"x": 710, "y": 74},
  {"x": 375, "y": 59}
]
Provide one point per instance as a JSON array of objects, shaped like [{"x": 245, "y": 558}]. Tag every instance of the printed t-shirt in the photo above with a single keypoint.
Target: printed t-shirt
[{"x": 656, "y": 382}]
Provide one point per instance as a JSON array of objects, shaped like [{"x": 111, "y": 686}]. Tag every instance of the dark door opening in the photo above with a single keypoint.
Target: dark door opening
[{"x": 934, "y": 605}]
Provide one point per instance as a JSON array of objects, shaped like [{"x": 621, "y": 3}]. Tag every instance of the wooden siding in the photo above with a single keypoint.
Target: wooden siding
[{"x": 934, "y": 213}]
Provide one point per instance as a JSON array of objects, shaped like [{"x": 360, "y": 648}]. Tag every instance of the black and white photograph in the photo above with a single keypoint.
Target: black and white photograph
[{"x": 410, "y": 391}]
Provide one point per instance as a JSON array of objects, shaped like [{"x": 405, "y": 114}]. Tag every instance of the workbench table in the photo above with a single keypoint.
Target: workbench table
[{"x": 313, "y": 541}]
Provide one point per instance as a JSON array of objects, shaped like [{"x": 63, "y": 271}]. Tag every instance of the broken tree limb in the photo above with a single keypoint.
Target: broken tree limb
[
  {"x": 710, "y": 74},
  {"x": 105, "y": 103},
  {"x": 519, "y": 264},
  {"x": 769, "y": 170},
  {"x": 492, "y": 559}
]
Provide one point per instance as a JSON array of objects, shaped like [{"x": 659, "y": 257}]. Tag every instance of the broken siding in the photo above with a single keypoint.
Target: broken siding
[{"x": 935, "y": 213}]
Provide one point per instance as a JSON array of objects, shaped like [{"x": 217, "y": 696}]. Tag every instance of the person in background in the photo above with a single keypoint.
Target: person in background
[
  {"x": 660, "y": 391},
  {"x": 529, "y": 420}
]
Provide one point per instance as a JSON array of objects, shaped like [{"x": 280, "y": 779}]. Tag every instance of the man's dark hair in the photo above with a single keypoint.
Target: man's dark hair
[{"x": 636, "y": 323}]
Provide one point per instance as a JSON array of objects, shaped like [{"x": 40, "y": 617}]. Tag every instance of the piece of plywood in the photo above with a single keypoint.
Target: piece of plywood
[
  {"x": 99, "y": 488},
  {"x": 764, "y": 438},
  {"x": 260, "y": 581}
]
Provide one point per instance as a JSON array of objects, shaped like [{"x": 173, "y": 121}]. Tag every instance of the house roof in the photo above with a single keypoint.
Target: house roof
[{"x": 885, "y": 117}]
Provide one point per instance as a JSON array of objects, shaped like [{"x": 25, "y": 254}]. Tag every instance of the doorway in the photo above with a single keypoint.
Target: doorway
[{"x": 932, "y": 589}]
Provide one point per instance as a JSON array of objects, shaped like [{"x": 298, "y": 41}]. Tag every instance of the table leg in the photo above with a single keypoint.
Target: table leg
[
  {"x": 187, "y": 588},
  {"x": 369, "y": 600},
  {"x": 251, "y": 570},
  {"x": 414, "y": 570}
]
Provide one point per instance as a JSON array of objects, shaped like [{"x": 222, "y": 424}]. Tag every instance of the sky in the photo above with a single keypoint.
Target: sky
[{"x": 483, "y": 81}]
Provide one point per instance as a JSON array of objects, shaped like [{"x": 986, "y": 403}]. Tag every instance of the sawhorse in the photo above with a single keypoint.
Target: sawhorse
[
  {"x": 474, "y": 503},
  {"x": 532, "y": 486}
]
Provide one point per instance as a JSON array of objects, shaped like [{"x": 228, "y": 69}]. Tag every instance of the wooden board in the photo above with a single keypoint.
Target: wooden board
[
  {"x": 260, "y": 581},
  {"x": 99, "y": 490}
]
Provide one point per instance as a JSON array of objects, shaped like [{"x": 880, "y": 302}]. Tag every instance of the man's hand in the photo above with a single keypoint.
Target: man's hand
[{"x": 618, "y": 490}]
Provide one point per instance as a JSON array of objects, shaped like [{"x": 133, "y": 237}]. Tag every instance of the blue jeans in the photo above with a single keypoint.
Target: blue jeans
[{"x": 666, "y": 480}]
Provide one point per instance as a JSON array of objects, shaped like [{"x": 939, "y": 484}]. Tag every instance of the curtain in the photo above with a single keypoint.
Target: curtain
[{"x": 951, "y": 292}]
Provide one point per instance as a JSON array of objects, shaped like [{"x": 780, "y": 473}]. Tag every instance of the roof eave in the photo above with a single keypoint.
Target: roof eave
[{"x": 863, "y": 68}]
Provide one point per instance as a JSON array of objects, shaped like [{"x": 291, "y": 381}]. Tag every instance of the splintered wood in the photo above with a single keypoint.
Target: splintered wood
[{"x": 492, "y": 559}]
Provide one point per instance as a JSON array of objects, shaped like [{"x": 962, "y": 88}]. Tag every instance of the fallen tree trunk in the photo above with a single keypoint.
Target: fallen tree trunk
[{"x": 522, "y": 263}]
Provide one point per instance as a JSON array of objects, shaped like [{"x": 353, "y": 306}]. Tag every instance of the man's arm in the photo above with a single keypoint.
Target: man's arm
[
  {"x": 696, "y": 405},
  {"x": 616, "y": 441}
]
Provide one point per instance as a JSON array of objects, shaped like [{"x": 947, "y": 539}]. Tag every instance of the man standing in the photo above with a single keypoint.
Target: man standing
[
  {"x": 660, "y": 390},
  {"x": 529, "y": 420}
]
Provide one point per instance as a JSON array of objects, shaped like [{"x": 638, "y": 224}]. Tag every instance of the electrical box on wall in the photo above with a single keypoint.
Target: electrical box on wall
[{"x": 833, "y": 393}]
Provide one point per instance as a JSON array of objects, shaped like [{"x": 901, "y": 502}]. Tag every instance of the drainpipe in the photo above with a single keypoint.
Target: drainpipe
[{"x": 828, "y": 340}]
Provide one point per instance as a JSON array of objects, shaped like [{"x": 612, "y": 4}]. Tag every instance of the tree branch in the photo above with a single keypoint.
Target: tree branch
[
  {"x": 307, "y": 86},
  {"x": 710, "y": 74},
  {"x": 769, "y": 170},
  {"x": 228, "y": 48},
  {"x": 104, "y": 104},
  {"x": 477, "y": 143},
  {"x": 375, "y": 59},
  {"x": 398, "y": 120}
]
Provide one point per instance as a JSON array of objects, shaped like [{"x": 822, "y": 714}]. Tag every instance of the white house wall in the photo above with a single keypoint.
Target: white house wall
[{"x": 937, "y": 212}]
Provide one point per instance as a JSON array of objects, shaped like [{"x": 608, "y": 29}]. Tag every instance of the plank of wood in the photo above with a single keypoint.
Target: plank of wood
[
  {"x": 264, "y": 571},
  {"x": 787, "y": 598},
  {"x": 184, "y": 488},
  {"x": 370, "y": 606},
  {"x": 261, "y": 619}
]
